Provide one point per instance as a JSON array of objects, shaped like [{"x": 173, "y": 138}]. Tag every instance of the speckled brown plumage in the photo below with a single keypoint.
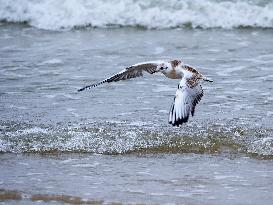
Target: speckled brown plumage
[{"x": 175, "y": 63}]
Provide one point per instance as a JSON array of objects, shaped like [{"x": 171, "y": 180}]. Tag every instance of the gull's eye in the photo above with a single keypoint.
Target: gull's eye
[{"x": 161, "y": 68}]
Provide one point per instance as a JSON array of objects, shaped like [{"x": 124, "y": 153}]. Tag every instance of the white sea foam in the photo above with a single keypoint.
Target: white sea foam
[
  {"x": 123, "y": 138},
  {"x": 67, "y": 14}
]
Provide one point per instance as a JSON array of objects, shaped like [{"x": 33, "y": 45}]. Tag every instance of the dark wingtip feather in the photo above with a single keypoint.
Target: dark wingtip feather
[
  {"x": 82, "y": 89},
  {"x": 79, "y": 90},
  {"x": 92, "y": 86},
  {"x": 85, "y": 88}
]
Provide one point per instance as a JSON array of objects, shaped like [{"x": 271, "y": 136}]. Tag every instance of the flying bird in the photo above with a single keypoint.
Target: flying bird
[{"x": 188, "y": 94}]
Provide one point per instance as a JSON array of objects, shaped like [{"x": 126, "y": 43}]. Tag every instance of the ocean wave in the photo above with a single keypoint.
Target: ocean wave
[
  {"x": 151, "y": 14},
  {"x": 120, "y": 138}
]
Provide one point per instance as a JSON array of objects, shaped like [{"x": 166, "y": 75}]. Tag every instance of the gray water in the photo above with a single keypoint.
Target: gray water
[{"x": 113, "y": 144}]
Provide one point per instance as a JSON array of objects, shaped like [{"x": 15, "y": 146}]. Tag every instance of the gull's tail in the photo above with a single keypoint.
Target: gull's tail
[{"x": 207, "y": 80}]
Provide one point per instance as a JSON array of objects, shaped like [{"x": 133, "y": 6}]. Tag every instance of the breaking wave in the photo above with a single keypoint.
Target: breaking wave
[
  {"x": 151, "y": 14},
  {"x": 121, "y": 138}
]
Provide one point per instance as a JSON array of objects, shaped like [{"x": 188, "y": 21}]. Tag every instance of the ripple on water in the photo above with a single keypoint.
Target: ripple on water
[
  {"x": 227, "y": 71},
  {"x": 52, "y": 61},
  {"x": 158, "y": 50}
]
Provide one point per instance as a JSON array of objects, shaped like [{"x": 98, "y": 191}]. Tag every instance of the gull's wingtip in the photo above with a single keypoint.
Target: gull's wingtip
[
  {"x": 85, "y": 88},
  {"x": 81, "y": 89}
]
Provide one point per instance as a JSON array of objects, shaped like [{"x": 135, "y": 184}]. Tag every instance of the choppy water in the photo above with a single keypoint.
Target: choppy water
[{"x": 113, "y": 144}]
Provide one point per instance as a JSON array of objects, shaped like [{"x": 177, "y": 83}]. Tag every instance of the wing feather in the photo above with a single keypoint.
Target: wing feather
[
  {"x": 184, "y": 103},
  {"x": 197, "y": 98},
  {"x": 133, "y": 71}
]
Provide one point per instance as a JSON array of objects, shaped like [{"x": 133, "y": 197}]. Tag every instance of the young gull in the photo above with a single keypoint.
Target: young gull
[{"x": 188, "y": 94}]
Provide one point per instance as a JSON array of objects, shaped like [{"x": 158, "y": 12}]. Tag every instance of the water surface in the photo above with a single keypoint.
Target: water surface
[{"x": 113, "y": 143}]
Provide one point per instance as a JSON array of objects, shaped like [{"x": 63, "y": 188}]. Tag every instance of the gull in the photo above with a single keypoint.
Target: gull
[{"x": 189, "y": 91}]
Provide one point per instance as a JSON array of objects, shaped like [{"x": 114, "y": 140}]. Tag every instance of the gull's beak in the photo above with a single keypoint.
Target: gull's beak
[{"x": 207, "y": 79}]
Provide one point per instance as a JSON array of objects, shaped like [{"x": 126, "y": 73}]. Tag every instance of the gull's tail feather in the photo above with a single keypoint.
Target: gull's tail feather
[
  {"x": 176, "y": 117},
  {"x": 180, "y": 109},
  {"x": 208, "y": 79}
]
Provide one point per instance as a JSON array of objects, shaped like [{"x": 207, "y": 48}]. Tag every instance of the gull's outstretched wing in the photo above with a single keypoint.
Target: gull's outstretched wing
[
  {"x": 184, "y": 103},
  {"x": 129, "y": 72}
]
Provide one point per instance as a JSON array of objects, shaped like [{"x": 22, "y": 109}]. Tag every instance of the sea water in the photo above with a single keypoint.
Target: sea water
[{"x": 113, "y": 144}]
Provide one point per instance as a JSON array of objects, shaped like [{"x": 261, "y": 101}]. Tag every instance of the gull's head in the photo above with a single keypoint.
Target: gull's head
[
  {"x": 169, "y": 66},
  {"x": 163, "y": 67}
]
